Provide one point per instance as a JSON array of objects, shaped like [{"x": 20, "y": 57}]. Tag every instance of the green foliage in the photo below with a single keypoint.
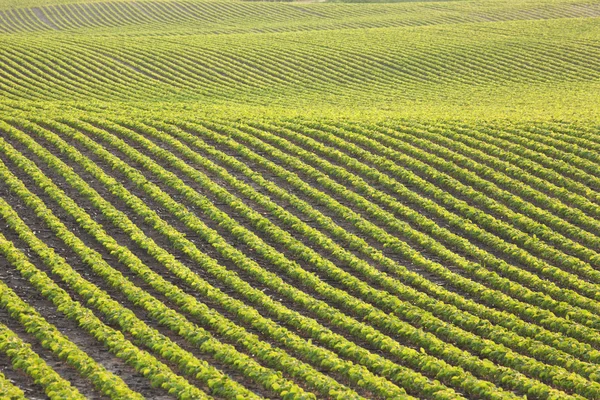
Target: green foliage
[
  {"x": 516, "y": 59},
  {"x": 304, "y": 200}
]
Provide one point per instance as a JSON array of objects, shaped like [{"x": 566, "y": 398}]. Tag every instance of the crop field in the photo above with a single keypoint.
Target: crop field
[{"x": 299, "y": 200}]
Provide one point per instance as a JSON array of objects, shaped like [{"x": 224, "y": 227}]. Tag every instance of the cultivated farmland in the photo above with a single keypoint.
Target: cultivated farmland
[{"x": 243, "y": 200}]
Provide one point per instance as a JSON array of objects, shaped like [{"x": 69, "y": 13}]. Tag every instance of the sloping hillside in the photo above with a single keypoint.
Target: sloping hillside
[{"x": 243, "y": 200}]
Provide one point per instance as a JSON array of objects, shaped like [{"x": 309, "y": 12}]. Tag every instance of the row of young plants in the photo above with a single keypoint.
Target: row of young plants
[
  {"x": 98, "y": 64},
  {"x": 448, "y": 65},
  {"x": 556, "y": 177},
  {"x": 578, "y": 135},
  {"x": 330, "y": 270},
  {"x": 182, "y": 70},
  {"x": 93, "y": 14},
  {"x": 336, "y": 296},
  {"x": 40, "y": 77},
  {"x": 392, "y": 286},
  {"x": 355, "y": 243},
  {"x": 254, "y": 135},
  {"x": 167, "y": 317},
  {"x": 580, "y": 175},
  {"x": 252, "y": 344},
  {"x": 492, "y": 279},
  {"x": 364, "y": 332},
  {"x": 315, "y": 354},
  {"x": 50, "y": 338},
  {"x": 582, "y": 180},
  {"x": 557, "y": 139},
  {"x": 53, "y": 64},
  {"x": 546, "y": 212},
  {"x": 53, "y": 88},
  {"x": 553, "y": 210},
  {"x": 178, "y": 72},
  {"x": 503, "y": 301},
  {"x": 25, "y": 359},
  {"x": 577, "y": 156},
  {"x": 13, "y": 20},
  {"x": 99, "y": 73},
  {"x": 573, "y": 128},
  {"x": 392, "y": 242},
  {"x": 9, "y": 391},
  {"x": 243, "y": 70},
  {"x": 570, "y": 132},
  {"x": 373, "y": 275},
  {"x": 20, "y": 20},
  {"x": 12, "y": 82},
  {"x": 15, "y": 58},
  {"x": 374, "y": 362},
  {"x": 409, "y": 295},
  {"x": 157, "y": 372},
  {"x": 470, "y": 341},
  {"x": 532, "y": 219},
  {"x": 493, "y": 162},
  {"x": 286, "y": 339},
  {"x": 480, "y": 217},
  {"x": 126, "y": 15}
]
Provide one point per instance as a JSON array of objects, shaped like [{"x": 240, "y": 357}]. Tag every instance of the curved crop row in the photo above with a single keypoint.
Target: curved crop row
[
  {"x": 252, "y": 241},
  {"x": 25, "y": 359}
]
